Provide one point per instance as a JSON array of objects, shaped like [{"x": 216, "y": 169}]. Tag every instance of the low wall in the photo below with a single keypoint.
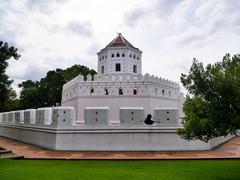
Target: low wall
[
  {"x": 55, "y": 129},
  {"x": 106, "y": 139}
]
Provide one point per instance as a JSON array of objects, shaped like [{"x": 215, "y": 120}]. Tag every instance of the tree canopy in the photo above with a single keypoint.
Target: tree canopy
[
  {"x": 6, "y": 92},
  {"x": 213, "y": 107},
  {"x": 48, "y": 91}
]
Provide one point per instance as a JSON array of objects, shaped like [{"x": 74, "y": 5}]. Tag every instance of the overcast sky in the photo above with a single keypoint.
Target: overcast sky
[{"x": 54, "y": 34}]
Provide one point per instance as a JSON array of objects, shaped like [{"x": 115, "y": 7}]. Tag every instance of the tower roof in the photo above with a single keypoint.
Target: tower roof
[{"x": 120, "y": 41}]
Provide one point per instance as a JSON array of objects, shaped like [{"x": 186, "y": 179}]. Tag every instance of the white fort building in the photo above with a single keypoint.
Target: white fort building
[
  {"x": 120, "y": 85},
  {"x": 118, "y": 109}
]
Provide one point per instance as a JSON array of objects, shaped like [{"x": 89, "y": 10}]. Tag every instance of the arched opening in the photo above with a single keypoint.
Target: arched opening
[
  {"x": 91, "y": 91},
  {"x": 102, "y": 69},
  {"x": 106, "y": 91},
  {"x": 118, "y": 55},
  {"x": 163, "y": 92},
  {"x": 134, "y": 68},
  {"x": 156, "y": 91},
  {"x": 123, "y": 55},
  {"x": 135, "y": 91},
  {"x": 120, "y": 91},
  {"x": 112, "y": 55}
]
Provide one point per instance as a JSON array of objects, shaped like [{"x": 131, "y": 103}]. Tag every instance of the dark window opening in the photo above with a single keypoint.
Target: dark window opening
[
  {"x": 135, "y": 91},
  {"x": 118, "y": 55},
  {"x": 123, "y": 55},
  {"x": 130, "y": 55},
  {"x": 120, "y": 91},
  {"x": 134, "y": 57},
  {"x": 102, "y": 69},
  {"x": 163, "y": 92},
  {"x": 134, "y": 68},
  {"x": 112, "y": 55},
  {"x": 106, "y": 91},
  {"x": 118, "y": 67},
  {"x": 91, "y": 91}
]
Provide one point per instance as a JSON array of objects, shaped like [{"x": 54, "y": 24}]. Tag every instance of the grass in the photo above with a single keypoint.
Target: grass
[{"x": 124, "y": 170}]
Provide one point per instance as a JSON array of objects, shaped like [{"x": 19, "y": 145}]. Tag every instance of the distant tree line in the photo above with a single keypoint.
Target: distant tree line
[
  {"x": 34, "y": 94},
  {"x": 48, "y": 91}
]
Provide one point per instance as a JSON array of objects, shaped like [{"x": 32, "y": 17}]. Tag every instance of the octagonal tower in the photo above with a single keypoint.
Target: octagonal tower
[{"x": 119, "y": 57}]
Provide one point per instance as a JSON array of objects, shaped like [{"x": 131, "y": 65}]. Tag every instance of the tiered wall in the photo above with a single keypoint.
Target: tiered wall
[
  {"x": 144, "y": 85},
  {"x": 55, "y": 128}
]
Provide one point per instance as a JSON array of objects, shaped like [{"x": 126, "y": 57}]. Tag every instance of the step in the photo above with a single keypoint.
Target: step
[
  {"x": 11, "y": 156},
  {"x": 5, "y": 151}
]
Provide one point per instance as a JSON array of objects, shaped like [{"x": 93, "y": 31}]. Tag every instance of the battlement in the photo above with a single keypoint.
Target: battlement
[
  {"x": 63, "y": 117},
  {"x": 120, "y": 78}
]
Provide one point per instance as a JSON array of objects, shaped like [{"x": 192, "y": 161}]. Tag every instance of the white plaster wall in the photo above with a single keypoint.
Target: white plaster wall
[
  {"x": 116, "y": 102},
  {"x": 111, "y": 139}
]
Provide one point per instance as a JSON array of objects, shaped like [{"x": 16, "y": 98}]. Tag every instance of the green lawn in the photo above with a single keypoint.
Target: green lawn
[{"x": 145, "y": 170}]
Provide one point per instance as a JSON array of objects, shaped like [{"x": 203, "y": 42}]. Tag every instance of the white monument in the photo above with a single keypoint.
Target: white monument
[
  {"x": 119, "y": 83},
  {"x": 119, "y": 109}
]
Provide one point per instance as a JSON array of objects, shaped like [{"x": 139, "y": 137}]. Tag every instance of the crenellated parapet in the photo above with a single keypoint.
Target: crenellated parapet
[
  {"x": 64, "y": 117},
  {"x": 120, "y": 84}
]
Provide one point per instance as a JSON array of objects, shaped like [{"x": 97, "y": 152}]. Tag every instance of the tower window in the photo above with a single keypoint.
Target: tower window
[
  {"x": 102, "y": 57},
  {"x": 123, "y": 55},
  {"x": 102, "y": 69},
  {"x": 105, "y": 56},
  {"x": 137, "y": 57},
  {"x": 130, "y": 55},
  {"x": 120, "y": 91},
  {"x": 134, "y": 68},
  {"x": 118, "y": 67},
  {"x": 134, "y": 56},
  {"x": 112, "y": 55},
  {"x": 118, "y": 55}
]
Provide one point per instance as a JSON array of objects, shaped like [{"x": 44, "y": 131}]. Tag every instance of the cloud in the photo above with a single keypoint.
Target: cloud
[
  {"x": 80, "y": 28},
  {"x": 44, "y": 6},
  {"x": 165, "y": 7},
  {"x": 92, "y": 49},
  {"x": 132, "y": 17},
  {"x": 211, "y": 20},
  {"x": 83, "y": 29},
  {"x": 194, "y": 22},
  {"x": 23, "y": 70}
]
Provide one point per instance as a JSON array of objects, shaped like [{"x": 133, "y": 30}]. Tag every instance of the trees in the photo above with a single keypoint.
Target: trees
[
  {"x": 48, "y": 91},
  {"x": 6, "y": 53},
  {"x": 213, "y": 109}
]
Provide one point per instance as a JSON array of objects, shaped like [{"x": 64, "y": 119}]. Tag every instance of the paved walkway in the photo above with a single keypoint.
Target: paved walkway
[{"x": 230, "y": 149}]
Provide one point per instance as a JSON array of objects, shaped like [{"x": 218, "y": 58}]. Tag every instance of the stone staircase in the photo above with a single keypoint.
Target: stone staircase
[{"x": 8, "y": 154}]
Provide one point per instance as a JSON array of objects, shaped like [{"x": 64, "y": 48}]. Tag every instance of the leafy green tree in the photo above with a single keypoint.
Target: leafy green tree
[
  {"x": 6, "y": 53},
  {"x": 48, "y": 91},
  {"x": 30, "y": 96},
  {"x": 213, "y": 109}
]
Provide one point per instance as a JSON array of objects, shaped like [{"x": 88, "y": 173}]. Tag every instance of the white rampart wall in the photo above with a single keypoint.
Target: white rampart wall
[{"x": 55, "y": 128}]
